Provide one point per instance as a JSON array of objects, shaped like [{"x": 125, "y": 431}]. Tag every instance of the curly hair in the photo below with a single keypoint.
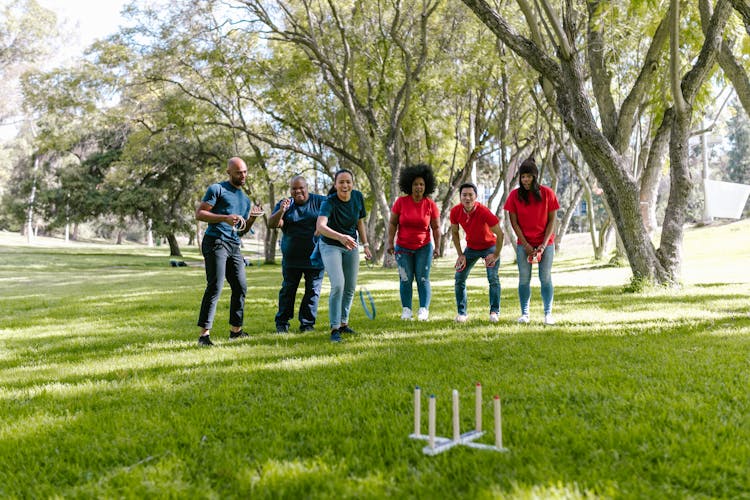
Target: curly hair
[{"x": 409, "y": 174}]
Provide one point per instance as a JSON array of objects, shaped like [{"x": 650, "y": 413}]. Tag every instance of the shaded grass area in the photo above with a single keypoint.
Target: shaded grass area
[{"x": 105, "y": 393}]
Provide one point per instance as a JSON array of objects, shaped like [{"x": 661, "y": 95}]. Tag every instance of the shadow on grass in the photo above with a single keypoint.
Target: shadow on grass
[
  {"x": 243, "y": 421},
  {"x": 107, "y": 395}
]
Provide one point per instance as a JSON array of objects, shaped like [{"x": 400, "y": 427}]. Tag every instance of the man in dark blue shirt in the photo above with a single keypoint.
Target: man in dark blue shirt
[
  {"x": 226, "y": 208},
  {"x": 296, "y": 216}
]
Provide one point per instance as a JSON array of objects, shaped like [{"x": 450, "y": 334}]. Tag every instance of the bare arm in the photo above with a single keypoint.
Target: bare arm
[
  {"x": 361, "y": 229},
  {"x": 321, "y": 226},
  {"x": 549, "y": 229},
  {"x": 461, "y": 260},
  {"x": 392, "y": 227},
  {"x": 490, "y": 260},
  {"x": 277, "y": 218},
  {"x": 204, "y": 214},
  {"x": 517, "y": 229},
  {"x": 435, "y": 226}
]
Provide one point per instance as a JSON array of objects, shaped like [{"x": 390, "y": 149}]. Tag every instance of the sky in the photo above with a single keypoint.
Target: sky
[{"x": 88, "y": 20}]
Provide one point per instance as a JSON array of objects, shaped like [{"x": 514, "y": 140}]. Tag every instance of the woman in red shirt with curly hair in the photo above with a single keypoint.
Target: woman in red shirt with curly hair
[{"x": 413, "y": 217}]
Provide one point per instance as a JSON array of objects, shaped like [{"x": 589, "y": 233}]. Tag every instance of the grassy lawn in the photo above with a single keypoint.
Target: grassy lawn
[{"x": 104, "y": 392}]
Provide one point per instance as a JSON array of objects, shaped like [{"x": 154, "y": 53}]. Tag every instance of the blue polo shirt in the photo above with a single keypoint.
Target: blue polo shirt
[
  {"x": 226, "y": 199},
  {"x": 343, "y": 216},
  {"x": 298, "y": 232}
]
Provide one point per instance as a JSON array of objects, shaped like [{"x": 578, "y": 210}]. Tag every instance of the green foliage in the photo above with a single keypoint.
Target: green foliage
[{"x": 105, "y": 393}]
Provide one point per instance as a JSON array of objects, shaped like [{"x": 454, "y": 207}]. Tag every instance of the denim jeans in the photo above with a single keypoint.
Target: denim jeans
[
  {"x": 545, "y": 277},
  {"x": 308, "y": 308},
  {"x": 413, "y": 263},
  {"x": 471, "y": 258},
  {"x": 222, "y": 258},
  {"x": 342, "y": 266}
]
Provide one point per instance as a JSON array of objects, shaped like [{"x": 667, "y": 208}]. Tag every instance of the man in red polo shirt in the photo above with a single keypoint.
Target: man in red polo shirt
[{"x": 484, "y": 239}]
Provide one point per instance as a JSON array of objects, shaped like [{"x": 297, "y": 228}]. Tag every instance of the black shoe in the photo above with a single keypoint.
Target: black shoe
[
  {"x": 282, "y": 328},
  {"x": 237, "y": 335},
  {"x": 336, "y": 336},
  {"x": 205, "y": 340},
  {"x": 346, "y": 329},
  {"x": 306, "y": 328}
]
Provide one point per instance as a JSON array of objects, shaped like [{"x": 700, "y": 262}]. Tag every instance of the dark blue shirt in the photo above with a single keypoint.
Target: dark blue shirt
[
  {"x": 226, "y": 199},
  {"x": 343, "y": 216},
  {"x": 298, "y": 231}
]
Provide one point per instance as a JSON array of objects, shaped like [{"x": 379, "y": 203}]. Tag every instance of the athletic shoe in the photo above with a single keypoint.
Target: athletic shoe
[
  {"x": 423, "y": 314},
  {"x": 347, "y": 330},
  {"x": 406, "y": 314},
  {"x": 548, "y": 319},
  {"x": 282, "y": 328},
  {"x": 336, "y": 336},
  {"x": 306, "y": 328},
  {"x": 237, "y": 335},
  {"x": 462, "y": 318},
  {"x": 494, "y": 318},
  {"x": 524, "y": 319},
  {"x": 205, "y": 340}
]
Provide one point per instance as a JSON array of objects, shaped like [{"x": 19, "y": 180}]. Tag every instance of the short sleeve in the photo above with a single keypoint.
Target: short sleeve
[
  {"x": 212, "y": 194},
  {"x": 325, "y": 208}
]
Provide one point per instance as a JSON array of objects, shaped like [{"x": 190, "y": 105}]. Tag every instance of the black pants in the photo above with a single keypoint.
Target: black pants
[
  {"x": 308, "y": 309},
  {"x": 223, "y": 259}
]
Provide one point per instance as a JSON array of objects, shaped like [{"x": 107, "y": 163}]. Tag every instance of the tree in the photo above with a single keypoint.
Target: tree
[
  {"x": 603, "y": 139},
  {"x": 27, "y": 31},
  {"x": 162, "y": 170}
]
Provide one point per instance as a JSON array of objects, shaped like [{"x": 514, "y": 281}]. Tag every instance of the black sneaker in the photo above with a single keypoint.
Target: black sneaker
[
  {"x": 282, "y": 328},
  {"x": 237, "y": 335},
  {"x": 336, "y": 336},
  {"x": 306, "y": 328},
  {"x": 205, "y": 340},
  {"x": 347, "y": 330}
]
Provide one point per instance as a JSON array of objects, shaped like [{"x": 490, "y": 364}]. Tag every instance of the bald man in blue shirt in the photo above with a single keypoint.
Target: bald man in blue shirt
[{"x": 227, "y": 210}]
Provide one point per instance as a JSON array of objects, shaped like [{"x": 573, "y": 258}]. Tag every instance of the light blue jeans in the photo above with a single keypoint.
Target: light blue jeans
[
  {"x": 545, "y": 277},
  {"x": 472, "y": 256},
  {"x": 342, "y": 266},
  {"x": 413, "y": 263}
]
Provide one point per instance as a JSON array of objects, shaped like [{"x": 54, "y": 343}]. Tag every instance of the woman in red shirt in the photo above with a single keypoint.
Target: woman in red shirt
[
  {"x": 532, "y": 210},
  {"x": 413, "y": 217}
]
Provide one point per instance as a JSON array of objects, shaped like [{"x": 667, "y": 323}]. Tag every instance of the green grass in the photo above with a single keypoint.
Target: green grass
[{"x": 104, "y": 392}]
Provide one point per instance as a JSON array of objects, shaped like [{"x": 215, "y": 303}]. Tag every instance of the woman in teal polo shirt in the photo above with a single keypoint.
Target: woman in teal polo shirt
[{"x": 341, "y": 224}]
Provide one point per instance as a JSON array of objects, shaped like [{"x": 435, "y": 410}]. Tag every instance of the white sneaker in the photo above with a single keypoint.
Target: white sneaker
[
  {"x": 406, "y": 314},
  {"x": 548, "y": 319},
  {"x": 462, "y": 318},
  {"x": 524, "y": 319},
  {"x": 494, "y": 318},
  {"x": 423, "y": 314}
]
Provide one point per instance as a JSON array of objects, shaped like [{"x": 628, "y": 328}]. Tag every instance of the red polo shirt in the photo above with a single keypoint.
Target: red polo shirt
[
  {"x": 533, "y": 217},
  {"x": 414, "y": 221},
  {"x": 476, "y": 225}
]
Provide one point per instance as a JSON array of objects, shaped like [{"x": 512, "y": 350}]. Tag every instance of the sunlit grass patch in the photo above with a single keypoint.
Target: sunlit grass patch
[{"x": 105, "y": 393}]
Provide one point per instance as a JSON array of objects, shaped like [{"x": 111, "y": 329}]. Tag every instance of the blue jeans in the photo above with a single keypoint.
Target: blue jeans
[
  {"x": 308, "y": 308},
  {"x": 342, "y": 266},
  {"x": 223, "y": 259},
  {"x": 413, "y": 263},
  {"x": 472, "y": 256},
  {"x": 545, "y": 277}
]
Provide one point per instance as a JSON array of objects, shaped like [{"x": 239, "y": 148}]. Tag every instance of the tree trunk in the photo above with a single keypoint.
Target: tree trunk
[
  {"x": 651, "y": 175},
  {"x": 269, "y": 243},
  {"x": 174, "y": 247},
  {"x": 567, "y": 216},
  {"x": 610, "y": 170}
]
